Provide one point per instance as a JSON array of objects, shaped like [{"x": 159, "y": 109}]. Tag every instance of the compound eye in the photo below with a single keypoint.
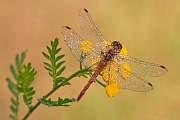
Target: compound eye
[
  {"x": 114, "y": 43},
  {"x": 117, "y": 45},
  {"x": 120, "y": 46}
]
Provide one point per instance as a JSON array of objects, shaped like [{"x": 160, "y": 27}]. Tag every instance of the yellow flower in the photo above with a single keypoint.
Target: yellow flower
[
  {"x": 124, "y": 67},
  {"x": 109, "y": 44},
  {"x": 124, "y": 50},
  {"x": 108, "y": 73},
  {"x": 125, "y": 70},
  {"x": 86, "y": 46},
  {"x": 91, "y": 63},
  {"x": 112, "y": 89}
]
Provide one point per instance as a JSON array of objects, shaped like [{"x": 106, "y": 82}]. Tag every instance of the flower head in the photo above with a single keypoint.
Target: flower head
[
  {"x": 86, "y": 46},
  {"x": 112, "y": 89}
]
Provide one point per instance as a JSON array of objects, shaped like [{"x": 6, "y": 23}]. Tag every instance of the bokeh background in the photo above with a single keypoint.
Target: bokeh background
[{"x": 149, "y": 29}]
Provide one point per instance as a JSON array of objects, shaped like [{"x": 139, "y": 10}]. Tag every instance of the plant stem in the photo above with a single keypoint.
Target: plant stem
[
  {"x": 100, "y": 83},
  {"x": 53, "y": 90}
]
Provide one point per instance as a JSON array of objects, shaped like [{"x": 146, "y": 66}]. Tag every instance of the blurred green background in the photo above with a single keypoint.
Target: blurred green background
[{"x": 149, "y": 29}]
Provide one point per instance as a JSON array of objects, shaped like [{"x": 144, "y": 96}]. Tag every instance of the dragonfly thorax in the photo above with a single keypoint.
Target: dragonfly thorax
[
  {"x": 110, "y": 54},
  {"x": 116, "y": 45}
]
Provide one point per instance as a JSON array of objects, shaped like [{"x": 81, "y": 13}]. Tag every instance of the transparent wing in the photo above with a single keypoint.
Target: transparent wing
[
  {"x": 126, "y": 79},
  {"x": 91, "y": 32},
  {"x": 141, "y": 68},
  {"x": 133, "y": 82},
  {"x": 73, "y": 40}
]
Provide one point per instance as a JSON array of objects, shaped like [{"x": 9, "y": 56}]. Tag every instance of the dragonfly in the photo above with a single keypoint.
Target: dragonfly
[{"x": 109, "y": 59}]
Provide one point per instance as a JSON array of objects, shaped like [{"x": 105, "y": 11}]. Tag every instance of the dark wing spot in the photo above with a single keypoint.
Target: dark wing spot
[
  {"x": 68, "y": 27},
  {"x": 162, "y": 67},
  {"x": 85, "y": 10},
  {"x": 150, "y": 84}
]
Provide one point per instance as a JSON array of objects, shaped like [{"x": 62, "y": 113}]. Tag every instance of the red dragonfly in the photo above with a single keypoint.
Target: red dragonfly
[{"x": 95, "y": 53}]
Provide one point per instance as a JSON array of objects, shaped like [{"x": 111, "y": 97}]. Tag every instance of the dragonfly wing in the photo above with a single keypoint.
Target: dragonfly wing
[
  {"x": 126, "y": 79},
  {"x": 73, "y": 40},
  {"x": 91, "y": 32},
  {"x": 134, "y": 82},
  {"x": 93, "y": 59},
  {"x": 141, "y": 68}
]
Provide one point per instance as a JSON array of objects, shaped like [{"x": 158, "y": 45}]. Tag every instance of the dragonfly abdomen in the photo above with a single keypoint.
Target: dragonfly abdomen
[{"x": 101, "y": 65}]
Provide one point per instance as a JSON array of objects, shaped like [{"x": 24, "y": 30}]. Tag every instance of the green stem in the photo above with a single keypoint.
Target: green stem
[
  {"x": 100, "y": 83},
  {"x": 53, "y": 90}
]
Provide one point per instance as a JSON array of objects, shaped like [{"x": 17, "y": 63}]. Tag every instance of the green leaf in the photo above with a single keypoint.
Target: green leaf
[
  {"x": 60, "y": 79},
  {"x": 23, "y": 56},
  {"x": 48, "y": 69},
  {"x": 13, "y": 109},
  {"x": 48, "y": 65},
  {"x": 31, "y": 93},
  {"x": 49, "y": 50},
  {"x": 17, "y": 61},
  {"x": 12, "y": 87},
  {"x": 57, "y": 50},
  {"x": 54, "y": 66},
  {"x": 30, "y": 99},
  {"x": 55, "y": 44},
  {"x": 56, "y": 40},
  {"x": 60, "y": 102},
  {"x": 26, "y": 76},
  {"x": 59, "y": 64},
  {"x": 46, "y": 56},
  {"x": 20, "y": 60},
  {"x": 13, "y": 72},
  {"x": 60, "y": 71},
  {"x": 12, "y": 117},
  {"x": 59, "y": 57},
  {"x": 52, "y": 45},
  {"x": 19, "y": 89},
  {"x": 66, "y": 83},
  {"x": 14, "y": 102},
  {"x": 29, "y": 89},
  {"x": 51, "y": 74}
]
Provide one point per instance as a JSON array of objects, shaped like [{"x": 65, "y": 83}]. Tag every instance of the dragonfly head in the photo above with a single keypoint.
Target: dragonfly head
[{"x": 116, "y": 45}]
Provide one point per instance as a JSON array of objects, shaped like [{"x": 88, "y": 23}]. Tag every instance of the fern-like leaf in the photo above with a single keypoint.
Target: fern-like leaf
[
  {"x": 13, "y": 85},
  {"x": 60, "y": 102},
  {"x": 55, "y": 67},
  {"x": 26, "y": 76}
]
